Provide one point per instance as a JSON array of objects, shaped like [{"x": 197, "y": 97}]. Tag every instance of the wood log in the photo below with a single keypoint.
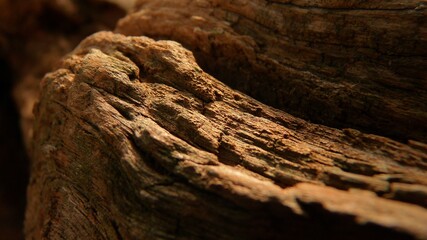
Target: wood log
[
  {"x": 345, "y": 64},
  {"x": 133, "y": 140}
]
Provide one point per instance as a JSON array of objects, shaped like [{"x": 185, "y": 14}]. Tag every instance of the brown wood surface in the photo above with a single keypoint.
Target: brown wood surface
[
  {"x": 133, "y": 140},
  {"x": 356, "y": 64}
]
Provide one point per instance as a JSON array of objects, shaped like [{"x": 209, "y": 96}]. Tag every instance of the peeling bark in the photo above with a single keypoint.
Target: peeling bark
[{"x": 133, "y": 140}]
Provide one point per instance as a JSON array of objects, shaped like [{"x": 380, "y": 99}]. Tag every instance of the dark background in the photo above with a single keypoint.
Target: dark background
[{"x": 13, "y": 162}]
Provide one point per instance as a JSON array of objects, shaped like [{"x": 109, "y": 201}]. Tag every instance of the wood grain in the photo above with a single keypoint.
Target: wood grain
[{"x": 133, "y": 140}]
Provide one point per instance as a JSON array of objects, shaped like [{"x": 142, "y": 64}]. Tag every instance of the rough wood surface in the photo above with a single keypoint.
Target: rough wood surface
[
  {"x": 133, "y": 140},
  {"x": 358, "y": 64}
]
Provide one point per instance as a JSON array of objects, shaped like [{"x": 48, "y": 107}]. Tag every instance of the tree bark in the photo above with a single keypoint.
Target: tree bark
[
  {"x": 345, "y": 64},
  {"x": 133, "y": 140}
]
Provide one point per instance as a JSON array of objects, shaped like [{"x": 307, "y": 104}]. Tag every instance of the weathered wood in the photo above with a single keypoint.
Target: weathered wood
[
  {"x": 133, "y": 140},
  {"x": 357, "y": 64}
]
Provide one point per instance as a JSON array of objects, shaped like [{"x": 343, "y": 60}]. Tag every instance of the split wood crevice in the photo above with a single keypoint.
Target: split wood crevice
[{"x": 133, "y": 140}]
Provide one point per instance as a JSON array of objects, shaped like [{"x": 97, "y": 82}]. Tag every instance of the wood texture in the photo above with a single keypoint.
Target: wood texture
[
  {"x": 357, "y": 64},
  {"x": 133, "y": 140}
]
